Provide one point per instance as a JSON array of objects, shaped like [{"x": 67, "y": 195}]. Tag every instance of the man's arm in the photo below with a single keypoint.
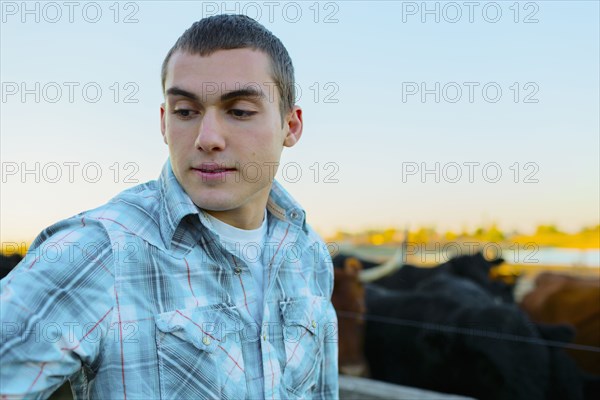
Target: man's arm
[
  {"x": 328, "y": 383},
  {"x": 55, "y": 308}
]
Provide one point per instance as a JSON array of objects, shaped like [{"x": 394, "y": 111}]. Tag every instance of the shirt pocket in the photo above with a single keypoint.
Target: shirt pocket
[
  {"x": 303, "y": 326},
  {"x": 200, "y": 353}
]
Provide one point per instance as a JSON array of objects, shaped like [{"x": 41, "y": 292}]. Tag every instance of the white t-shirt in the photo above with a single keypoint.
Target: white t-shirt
[{"x": 247, "y": 245}]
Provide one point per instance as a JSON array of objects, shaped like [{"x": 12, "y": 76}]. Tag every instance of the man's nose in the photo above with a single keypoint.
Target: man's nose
[{"x": 210, "y": 134}]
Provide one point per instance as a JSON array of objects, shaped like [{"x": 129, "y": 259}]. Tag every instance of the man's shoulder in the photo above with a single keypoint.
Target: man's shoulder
[
  {"x": 133, "y": 206},
  {"x": 134, "y": 211},
  {"x": 313, "y": 238},
  {"x": 312, "y": 235}
]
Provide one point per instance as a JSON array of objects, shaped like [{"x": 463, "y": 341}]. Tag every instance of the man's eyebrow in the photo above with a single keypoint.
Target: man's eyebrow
[
  {"x": 245, "y": 93},
  {"x": 175, "y": 91},
  {"x": 234, "y": 94}
]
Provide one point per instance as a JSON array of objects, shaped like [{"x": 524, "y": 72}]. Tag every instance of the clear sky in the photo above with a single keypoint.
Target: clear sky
[{"x": 503, "y": 96}]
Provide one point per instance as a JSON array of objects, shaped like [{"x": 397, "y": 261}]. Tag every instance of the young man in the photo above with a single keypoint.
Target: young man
[{"x": 206, "y": 283}]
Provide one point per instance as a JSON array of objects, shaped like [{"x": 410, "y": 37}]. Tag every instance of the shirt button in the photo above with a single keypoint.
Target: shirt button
[
  {"x": 293, "y": 215},
  {"x": 238, "y": 271},
  {"x": 206, "y": 340},
  {"x": 264, "y": 336},
  {"x": 314, "y": 324}
]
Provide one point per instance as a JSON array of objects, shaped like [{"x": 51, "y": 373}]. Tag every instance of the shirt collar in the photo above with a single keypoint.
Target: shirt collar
[
  {"x": 177, "y": 205},
  {"x": 284, "y": 207}
]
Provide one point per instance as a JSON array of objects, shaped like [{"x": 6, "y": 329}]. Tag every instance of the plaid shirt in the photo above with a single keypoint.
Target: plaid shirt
[{"x": 138, "y": 299}]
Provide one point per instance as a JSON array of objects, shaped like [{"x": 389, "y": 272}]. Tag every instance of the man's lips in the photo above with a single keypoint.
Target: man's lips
[{"x": 213, "y": 168}]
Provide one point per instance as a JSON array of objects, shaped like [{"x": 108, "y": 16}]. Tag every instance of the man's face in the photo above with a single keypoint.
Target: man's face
[{"x": 222, "y": 123}]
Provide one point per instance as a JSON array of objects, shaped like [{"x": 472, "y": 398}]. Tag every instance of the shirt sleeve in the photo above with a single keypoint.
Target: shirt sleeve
[
  {"x": 328, "y": 384},
  {"x": 55, "y": 308}
]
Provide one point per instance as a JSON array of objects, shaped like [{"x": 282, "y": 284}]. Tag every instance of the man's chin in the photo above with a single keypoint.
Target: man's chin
[
  {"x": 213, "y": 207},
  {"x": 216, "y": 205}
]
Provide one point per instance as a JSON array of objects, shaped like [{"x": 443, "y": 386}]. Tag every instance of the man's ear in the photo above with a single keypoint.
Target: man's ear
[
  {"x": 163, "y": 124},
  {"x": 294, "y": 127}
]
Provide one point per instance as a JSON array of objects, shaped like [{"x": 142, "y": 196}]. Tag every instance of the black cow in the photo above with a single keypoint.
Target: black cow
[
  {"x": 459, "y": 340},
  {"x": 472, "y": 267},
  {"x": 451, "y": 329}
]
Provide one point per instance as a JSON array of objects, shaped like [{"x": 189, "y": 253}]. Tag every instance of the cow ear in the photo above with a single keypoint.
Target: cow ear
[{"x": 352, "y": 266}]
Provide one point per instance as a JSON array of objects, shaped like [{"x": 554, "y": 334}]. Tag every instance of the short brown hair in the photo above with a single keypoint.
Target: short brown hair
[{"x": 226, "y": 32}]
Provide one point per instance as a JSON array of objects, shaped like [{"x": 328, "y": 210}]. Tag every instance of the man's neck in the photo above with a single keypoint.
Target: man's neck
[{"x": 240, "y": 219}]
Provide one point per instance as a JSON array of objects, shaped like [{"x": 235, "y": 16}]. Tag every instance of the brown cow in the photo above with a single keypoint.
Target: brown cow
[
  {"x": 348, "y": 299},
  {"x": 560, "y": 298}
]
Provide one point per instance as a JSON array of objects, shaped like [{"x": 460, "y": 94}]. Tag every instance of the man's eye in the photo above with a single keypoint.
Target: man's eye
[
  {"x": 241, "y": 113},
  {"x": 184, "y": 113}
]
